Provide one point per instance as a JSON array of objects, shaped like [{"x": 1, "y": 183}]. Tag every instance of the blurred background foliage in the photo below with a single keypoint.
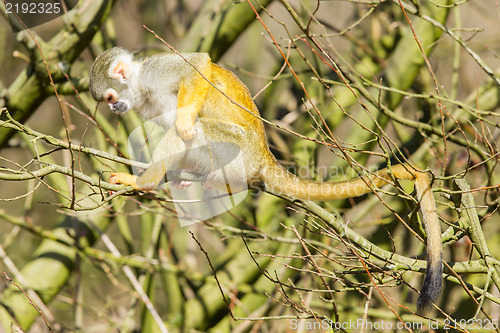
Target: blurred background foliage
[{"x": 360, "y": 84}]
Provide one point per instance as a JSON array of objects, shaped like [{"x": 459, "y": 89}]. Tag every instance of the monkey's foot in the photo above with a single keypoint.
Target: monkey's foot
[
  {"x": 181, "y": 184},
  {"x": 124, "y": 179}
]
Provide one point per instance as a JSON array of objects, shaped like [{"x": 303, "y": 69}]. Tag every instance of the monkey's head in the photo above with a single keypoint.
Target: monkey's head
[{"x": 110, "y": 79}]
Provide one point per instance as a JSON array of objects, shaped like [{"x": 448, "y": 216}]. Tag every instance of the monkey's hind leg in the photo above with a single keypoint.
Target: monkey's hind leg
[{"x": 167, "y": 154}]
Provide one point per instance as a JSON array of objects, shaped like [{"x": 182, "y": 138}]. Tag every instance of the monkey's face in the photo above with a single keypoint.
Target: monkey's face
[
  {"x": 110, "y": 79},
  {"x": 114, "y": 91}
]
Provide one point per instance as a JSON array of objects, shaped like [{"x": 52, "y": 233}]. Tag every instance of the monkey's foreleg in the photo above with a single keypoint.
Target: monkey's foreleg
[
  {"x": 124, "y": 179},
  {"x": 166, "y": 156}
]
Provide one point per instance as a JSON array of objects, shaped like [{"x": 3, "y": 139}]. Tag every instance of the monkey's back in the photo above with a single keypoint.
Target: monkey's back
[{"x": 232, "y": 103}]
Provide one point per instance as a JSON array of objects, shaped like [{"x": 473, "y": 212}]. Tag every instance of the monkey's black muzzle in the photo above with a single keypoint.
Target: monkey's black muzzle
[{"x": 119, "y": 107}]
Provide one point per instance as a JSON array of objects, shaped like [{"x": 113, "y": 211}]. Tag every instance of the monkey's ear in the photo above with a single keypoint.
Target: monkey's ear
[{"x": 121, "y": 71}]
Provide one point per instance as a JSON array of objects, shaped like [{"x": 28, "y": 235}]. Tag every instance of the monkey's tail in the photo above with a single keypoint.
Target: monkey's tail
[
  {"x": 433, "y": 282},
  {"x": 280, "y": 181}
]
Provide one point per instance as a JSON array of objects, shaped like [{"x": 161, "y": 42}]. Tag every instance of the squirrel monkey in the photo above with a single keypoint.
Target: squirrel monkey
[{"x": 207, "y": 103}]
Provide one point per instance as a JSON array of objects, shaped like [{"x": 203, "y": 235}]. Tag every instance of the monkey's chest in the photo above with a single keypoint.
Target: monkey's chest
[{"x": 161, "y": 109}]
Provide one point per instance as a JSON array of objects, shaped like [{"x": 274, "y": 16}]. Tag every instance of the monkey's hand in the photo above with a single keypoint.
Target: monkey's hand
[
  {"x": 124, "y": 179},
  {"x": 185, "y": 132},
  {"x": 184, "y": 123}
]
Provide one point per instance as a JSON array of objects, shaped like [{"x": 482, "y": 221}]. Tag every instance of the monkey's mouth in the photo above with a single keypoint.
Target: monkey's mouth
[{"x": 119, "y": 107}]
